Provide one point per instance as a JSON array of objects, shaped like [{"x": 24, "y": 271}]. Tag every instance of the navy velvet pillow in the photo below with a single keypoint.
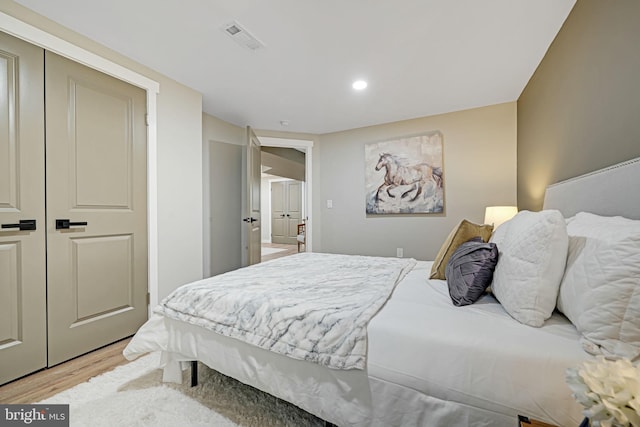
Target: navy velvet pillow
[{"x": 470, "y": 270}]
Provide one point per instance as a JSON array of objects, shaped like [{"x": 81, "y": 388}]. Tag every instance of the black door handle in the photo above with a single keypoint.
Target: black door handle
[
  {"x": 250, "y": 219},
  {"x": 23, "y": 225},
  {"x": 63, "y": 224}
]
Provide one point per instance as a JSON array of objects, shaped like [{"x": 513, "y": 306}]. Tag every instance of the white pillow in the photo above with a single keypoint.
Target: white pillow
[
  {"x": 533, "y": 252},
  {"x": 600, "y": 291},
  {"x": 611, "y": 228}
]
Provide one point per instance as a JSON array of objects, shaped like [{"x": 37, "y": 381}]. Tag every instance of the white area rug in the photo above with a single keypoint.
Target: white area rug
[
  {"x": 269, "y": 251},
  {"x": 134, "y": 395}
]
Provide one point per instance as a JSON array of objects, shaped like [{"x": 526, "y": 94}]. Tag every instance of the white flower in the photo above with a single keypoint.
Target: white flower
[{"x": 609, "y": 391}]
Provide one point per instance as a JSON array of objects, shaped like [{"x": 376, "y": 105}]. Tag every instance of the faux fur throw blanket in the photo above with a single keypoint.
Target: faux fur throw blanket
[{"x": 309, "y": 306}]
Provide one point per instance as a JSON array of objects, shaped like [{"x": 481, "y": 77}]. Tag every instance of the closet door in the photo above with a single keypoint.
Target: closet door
[
  {"x": 286, "y": 209},
  {"x": 96, "y": 208},
  {"x": 22, "y": 252}
]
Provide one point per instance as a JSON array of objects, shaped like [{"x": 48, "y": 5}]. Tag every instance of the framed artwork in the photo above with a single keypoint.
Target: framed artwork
[{"x": 404, "y": 175}]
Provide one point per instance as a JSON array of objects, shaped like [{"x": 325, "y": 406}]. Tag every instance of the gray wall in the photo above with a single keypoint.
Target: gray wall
[
  {"x": 222, "y": 146},
  {"x": 284, "y": 162},
  {"x": 581, "y": 109},
  {"x": 479, "y": 170},
  {"x": 225, "y": 160}
]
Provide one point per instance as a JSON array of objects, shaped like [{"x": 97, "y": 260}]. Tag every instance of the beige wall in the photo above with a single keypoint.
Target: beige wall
[
  {"x": 581, "y": 109},
  {"x": 179, "y": 186},
  {"x": 479, "y": 170},
  {"x": 179, "y": 159},
  {"x": 215, "y": 129}
]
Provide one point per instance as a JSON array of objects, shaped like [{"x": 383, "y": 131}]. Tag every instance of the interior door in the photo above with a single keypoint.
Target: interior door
[
  {"x": 96, "y": 208},
  {"x": 252, "y": 219},
  {"x": 279, "y": 224},
  {"x": 286, "y": 211},
  {"x": 294, "y": 209},
  {"x": 22, "y": 252}
]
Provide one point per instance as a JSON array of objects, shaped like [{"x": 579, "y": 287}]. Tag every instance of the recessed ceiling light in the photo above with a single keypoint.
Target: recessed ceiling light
[{"x": 359, "y": 84}]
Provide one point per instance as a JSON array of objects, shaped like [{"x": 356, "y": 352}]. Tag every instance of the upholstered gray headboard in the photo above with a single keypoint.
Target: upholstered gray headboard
[{"x": 610, "y": 191}]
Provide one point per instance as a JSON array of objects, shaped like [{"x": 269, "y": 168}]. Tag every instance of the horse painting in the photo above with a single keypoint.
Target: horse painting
[
  {"x": 398, "y": 174},
  {"x": 405, "y": 175}
]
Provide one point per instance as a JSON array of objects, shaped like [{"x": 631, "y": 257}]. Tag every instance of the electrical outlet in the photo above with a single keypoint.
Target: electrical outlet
[{"x": 399, "y": 252}]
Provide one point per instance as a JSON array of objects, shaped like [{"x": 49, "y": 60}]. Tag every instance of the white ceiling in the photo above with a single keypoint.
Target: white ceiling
[{"x": 420, "y": 57}]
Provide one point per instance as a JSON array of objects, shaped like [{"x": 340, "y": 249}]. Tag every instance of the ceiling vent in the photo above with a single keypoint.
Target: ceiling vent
[{"x": 241, "y": 36}]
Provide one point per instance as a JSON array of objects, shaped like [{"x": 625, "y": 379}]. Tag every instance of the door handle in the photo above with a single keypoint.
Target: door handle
[
  {"x": 250, "y": 219},
  {"x": 63, "y": 224},
  {"x": 23, "y": 225}
]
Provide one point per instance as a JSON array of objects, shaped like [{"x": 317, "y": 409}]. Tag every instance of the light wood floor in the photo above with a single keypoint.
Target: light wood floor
[
  {"x": 289, "y": 250},
  {"x": 47, "y": 382}
]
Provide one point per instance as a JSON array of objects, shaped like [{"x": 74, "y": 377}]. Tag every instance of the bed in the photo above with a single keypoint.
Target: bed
[{"x": 427, "y": 362}]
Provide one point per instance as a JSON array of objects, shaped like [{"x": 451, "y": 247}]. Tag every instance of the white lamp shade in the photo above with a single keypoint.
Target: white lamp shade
[{"x": 496, "y": 215}]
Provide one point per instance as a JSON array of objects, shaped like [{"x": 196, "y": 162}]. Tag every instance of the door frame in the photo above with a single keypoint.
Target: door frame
[
  {"x": 268, "y": 205},
  {"x": 286, "y": 183},
  {"x": 38, "y": 37},
  {"x": 306, "y": 146}
]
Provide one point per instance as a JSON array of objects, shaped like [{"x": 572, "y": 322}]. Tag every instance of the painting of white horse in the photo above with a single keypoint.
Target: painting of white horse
[{"x": 405, "y": 175}]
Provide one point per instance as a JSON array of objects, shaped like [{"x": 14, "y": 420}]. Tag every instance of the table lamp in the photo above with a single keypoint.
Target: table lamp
[{"x": 496, "y": 215}]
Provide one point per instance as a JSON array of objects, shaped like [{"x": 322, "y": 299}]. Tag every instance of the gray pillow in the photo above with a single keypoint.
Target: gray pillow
[{"x": 470, "y": 270}]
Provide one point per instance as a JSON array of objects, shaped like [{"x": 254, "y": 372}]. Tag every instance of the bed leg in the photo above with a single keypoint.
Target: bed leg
[{"x": 194, "y": 373}]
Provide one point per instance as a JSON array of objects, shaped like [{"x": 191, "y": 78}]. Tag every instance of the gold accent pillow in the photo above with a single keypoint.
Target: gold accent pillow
[{"x": 463, "y": 232}]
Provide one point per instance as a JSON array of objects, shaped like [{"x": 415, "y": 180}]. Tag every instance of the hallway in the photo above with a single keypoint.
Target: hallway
[{"x": 285, "y": 250}]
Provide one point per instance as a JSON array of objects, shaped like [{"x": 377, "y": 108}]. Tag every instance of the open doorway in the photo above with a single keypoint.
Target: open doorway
[
  {"x": 285, "y": 196},
  {"x": 283, "y": 216},
  {"x": 223, "y": 169}
]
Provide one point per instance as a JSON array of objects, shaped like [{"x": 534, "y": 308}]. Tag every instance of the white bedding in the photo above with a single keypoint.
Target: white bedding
[
  {"x": 309, "y": 306},
  {"x": 429, "y": 363}
]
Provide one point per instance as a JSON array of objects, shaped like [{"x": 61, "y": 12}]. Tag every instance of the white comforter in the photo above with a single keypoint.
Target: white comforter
[
  {"x": 311, "y": 306},
  {"x": 429, "y": 363}
]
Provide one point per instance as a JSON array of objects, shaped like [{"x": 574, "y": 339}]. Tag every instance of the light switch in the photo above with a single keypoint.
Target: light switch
[{"x": 329, "y": 204}]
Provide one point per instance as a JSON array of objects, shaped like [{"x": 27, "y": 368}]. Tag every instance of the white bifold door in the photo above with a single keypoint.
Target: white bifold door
[{"x": 73, "y": 207}]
